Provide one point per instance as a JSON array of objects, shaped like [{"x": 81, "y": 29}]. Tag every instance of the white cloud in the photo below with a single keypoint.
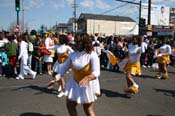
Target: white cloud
[
  {"x": 33, "y": 4},
  {"x": 6, "y": 4},
  {"x": 157, "y": 1},
  {"x": 161, "y": 1},
  {"x": 56, "y": 4},
  {"x": 87, "y": 3},
  {"x": 68, "y": 2},
  {"x": 171, "y": 0},
  {"x": 102, "y": 5}
]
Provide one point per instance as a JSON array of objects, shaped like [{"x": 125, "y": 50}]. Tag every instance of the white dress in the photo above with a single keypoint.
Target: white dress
[
  {"x": 72, "y": 89},
  {"x": 49, "y": 43},
  {"x": 60, "y": 49}
]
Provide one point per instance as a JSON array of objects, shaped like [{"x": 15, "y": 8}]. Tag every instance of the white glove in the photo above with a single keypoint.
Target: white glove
[
  {"x": 19, "y": 58},
  {"x": 155, "y": 56},
  {"x": 159, "y": 55}
]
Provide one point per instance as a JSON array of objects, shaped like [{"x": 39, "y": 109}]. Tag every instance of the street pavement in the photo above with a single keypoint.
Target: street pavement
[{"x": 30, "y": 97}]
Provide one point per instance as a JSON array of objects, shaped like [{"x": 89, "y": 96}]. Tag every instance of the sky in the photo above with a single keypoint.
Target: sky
[{"x": 50, "y": 12}]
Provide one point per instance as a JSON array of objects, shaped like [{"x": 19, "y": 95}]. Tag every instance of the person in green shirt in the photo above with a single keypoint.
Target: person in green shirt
[{"x": 11, "y": 49}]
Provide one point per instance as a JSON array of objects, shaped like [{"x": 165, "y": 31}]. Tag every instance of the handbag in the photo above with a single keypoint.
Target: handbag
[{"x": 44, "y": 50}]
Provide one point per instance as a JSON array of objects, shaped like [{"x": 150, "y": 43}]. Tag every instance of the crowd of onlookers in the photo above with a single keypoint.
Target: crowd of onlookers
[{"x": 118, "y": 45}]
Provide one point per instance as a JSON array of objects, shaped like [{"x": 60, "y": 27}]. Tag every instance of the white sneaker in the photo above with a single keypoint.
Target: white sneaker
[
  {"x": 67, "y": 72},
  {"x": 34, "y": 75},
  {"x": 160, "y": 76},
  {"x": 144, "y": 66},
  {"x": 136, "y": 85},
  {"x": 15, "y": 71},
  {"x": 59, "y": 89},
  {"x": 19, "y": 77},
  {"x": 61, "y": 94},
  {"x": 50, "y": 73}
]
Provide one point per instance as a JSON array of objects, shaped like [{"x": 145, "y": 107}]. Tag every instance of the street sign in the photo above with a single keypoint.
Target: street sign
[
  {"x": 149, "y": 27},
  {"x": 17, "y": 28},
  {"x": 149, "y": 33}
]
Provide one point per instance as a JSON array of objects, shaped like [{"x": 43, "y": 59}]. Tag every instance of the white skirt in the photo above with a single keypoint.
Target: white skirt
[
  {"x": 48, "y": 58},
  {"x": 82, "y": 95}
]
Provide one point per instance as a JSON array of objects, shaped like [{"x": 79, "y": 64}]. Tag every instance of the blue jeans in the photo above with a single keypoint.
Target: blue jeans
[
  {"x": 1, "y": 69},
  {"x": 38, "y": 65},
  {"x": 30, "y": 60}
]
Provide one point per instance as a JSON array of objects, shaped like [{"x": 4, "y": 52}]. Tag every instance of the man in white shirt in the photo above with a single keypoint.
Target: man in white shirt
[
  {"x": 163, "y": 18},
  {"x": 143, "y": 55},
  {"x": 23, "y": 57}
]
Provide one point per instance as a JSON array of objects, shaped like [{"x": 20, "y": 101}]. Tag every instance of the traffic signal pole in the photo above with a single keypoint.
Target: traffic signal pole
[
  {"x": 149, "y": 12},
  {"x": 17, "y": 17},
  {"x": 140, "y": 8},
  {"x": 17, "y": 8}
]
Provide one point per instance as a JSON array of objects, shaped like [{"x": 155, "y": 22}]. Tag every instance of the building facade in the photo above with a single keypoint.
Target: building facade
[
  {"x": 72, "y": 26},
  {"x": 62, "y": 28},
  {"x": 106, "y": 24}
]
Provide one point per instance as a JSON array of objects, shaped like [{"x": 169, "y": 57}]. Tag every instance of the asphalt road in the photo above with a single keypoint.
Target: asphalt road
[{"x": 31, "y": 98}]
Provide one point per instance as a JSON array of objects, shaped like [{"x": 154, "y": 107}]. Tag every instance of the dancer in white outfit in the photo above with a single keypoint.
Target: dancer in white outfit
[
  {"x": 83, "y": 86},
  {"x": 162, "y": 56},
  {"x": 133, "y": 65},
  {"x": 23, "y": 57},
  {"x": 63, "y": 51}
]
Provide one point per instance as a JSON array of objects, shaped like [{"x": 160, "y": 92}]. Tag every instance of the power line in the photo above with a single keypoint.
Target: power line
[
  {"x": 116, "y": 8},
  {"x": 131, "y": 2},
  {"x": 128, "y": 13}
]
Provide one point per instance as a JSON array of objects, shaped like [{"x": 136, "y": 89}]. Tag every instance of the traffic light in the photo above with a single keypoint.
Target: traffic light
[
  {"x": 142, "y": 22},
  {"x": 17, "y": 4}
]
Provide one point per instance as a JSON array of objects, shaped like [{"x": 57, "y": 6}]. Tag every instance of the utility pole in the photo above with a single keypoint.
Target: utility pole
[
  {"x": 140, "y": 7},
  {"x": 74, "y": 6},
  {"x": 149, "y": 12},
  {"x": 140, "y": 10},
  {"x": 56, "y": 26},
  {"x": 23, "y": 16}
]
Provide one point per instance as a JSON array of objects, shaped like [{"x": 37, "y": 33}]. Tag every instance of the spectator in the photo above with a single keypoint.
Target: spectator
[
  {"x": 23, "y": 57},
  {"x": 11, "y": 49},
  {"x": 37, "y": 55}
]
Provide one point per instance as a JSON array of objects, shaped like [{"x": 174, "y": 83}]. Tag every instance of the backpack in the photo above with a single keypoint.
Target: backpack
[{"x": 44, "y": 50}]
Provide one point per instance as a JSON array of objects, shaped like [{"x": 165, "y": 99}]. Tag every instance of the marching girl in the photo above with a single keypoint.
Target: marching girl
[
  {"x": 162, "y": 56},
  {"x": 62, "y": 51},
  {"x": 133, "y": 52},
  {"x": 132, "y": 65},
  {"x": 83, "y": 86}
]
